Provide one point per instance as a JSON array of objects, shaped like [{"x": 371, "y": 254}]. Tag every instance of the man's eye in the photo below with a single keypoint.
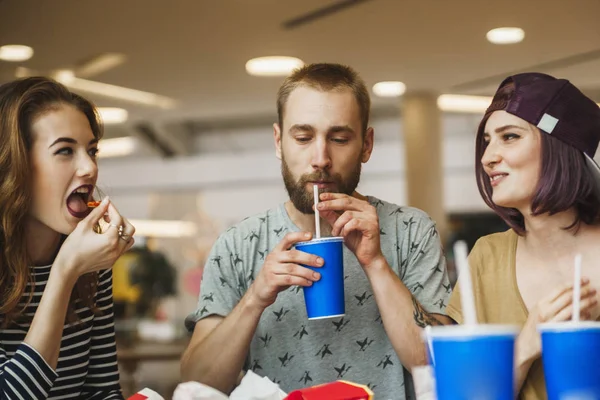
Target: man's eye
[{"x": 340, "y": 140}]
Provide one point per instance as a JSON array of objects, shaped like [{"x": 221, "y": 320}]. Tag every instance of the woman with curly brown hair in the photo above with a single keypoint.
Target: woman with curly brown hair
[{"x": 56, "y": 319}]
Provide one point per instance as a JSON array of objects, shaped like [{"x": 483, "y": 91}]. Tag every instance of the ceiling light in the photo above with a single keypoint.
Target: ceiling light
[
  {"x": 389, "y": 89},
  {"x": 100, "y": 64},
  {"x": 64, "y": 75},
  {"x": 273, "y": 66},
  {"x": 505, "y": 35},
  {"x": 463, "y": 103},
  {"x": 112, "y": 115},
  {"x": 119, "y": 92},
  {"x": 15, "y": 52},
  {"x": 163, "y": 228},
  {"x": 117, "y": 147}
]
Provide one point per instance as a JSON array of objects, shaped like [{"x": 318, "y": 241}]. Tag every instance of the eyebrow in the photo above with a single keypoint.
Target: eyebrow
[
  {"x": 508, "y": 127},
  {"x": 310, "y": 128},
  {"x": 70, "y": 140},
  {"x": 301, "y": 128},
  {"x": 341, "y": 128}
]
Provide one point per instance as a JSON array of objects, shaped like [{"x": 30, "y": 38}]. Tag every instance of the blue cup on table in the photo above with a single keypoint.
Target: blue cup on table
[
  {"x": 571, "y": 358},
  {"x": 473, "y": 362},
  {"x": 325, "y": 297}
]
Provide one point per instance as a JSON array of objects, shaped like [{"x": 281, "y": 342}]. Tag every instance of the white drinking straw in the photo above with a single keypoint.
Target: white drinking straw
[
  {"x": 466, "y": 287},
  {"x": 429, "y": 343},
  {"x": 317, "y": 218},
  {"x": 577, "y": 289}
]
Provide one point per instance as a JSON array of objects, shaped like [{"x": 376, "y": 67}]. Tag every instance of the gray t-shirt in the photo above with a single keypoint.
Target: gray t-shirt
[{"x": 295, "y": 352}]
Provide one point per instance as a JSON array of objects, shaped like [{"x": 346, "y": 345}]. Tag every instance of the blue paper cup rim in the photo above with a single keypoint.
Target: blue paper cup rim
[
  {"x": 467, "y": 332},
  {"x": 569, "y": 326},
  {"x": 321, "y": 240}
]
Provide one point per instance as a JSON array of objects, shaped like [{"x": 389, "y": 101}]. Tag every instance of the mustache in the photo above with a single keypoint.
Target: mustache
[{"x": 320, "y": 176}]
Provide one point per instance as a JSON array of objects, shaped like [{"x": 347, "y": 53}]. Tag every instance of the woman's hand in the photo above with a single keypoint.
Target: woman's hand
[{"x": 85, "y": 251}]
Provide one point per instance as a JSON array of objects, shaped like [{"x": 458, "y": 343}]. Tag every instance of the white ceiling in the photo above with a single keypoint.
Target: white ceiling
[{"x": 195, "y": 50}]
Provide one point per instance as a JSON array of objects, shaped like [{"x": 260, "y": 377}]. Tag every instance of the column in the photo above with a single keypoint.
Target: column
[{"x": 421, "y": 122}]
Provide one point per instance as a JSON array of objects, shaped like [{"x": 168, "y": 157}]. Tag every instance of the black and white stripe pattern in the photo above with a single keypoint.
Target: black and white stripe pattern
[{"x": 87, "y": 365}]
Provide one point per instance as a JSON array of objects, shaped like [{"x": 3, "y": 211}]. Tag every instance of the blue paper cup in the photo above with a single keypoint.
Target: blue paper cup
[
  {"x": 473, "y": 362},
  {"x": 571, "y": 358},
  {"x": 325, "y": 297}
]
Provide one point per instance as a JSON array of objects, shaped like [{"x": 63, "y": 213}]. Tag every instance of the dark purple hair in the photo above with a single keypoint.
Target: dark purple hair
[{"x": 564, "y": 180}]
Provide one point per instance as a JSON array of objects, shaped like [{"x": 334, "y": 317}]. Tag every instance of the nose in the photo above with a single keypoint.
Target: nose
[
  {"x": 491, "y": 156},
  {"x": 87, "y": 166},
  {"x": 321, "y": 159}
]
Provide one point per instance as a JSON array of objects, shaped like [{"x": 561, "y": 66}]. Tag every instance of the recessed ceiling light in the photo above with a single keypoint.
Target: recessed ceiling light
[
  {"x": 64, "y": 75},
  {"x": 389, "y": 89},
  {"x": 273, "y": 66},
  {"x": 15, "y": 52},
  {"x": 112, "y": 115},
  {"x": 506, "y": 35}
]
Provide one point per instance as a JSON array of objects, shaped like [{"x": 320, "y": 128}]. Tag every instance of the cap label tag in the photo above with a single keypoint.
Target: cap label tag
[{"x": 547, "y": 123}]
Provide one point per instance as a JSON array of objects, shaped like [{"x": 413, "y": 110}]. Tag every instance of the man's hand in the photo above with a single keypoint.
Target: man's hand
[
  {"x": 357, "y": 222},
  {"x": 282, "y": 269}
]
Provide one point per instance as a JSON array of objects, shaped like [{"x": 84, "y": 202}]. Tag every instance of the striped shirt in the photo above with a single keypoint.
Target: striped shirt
[{"x": 87, "y": 364}]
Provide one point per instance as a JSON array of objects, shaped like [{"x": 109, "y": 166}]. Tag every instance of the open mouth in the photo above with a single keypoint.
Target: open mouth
[{"x": 77, "y": 202}]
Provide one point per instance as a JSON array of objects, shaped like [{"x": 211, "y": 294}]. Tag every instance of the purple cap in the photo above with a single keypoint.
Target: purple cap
[{"x": 559, "y": 109}]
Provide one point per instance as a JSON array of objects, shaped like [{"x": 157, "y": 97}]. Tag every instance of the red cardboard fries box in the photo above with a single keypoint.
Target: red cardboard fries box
[{"x": 338, "y": 390}]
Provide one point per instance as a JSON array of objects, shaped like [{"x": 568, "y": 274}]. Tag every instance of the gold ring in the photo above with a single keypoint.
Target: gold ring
[{"x": 120, "y": 229}]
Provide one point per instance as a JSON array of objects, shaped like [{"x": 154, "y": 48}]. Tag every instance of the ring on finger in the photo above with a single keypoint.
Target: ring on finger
[{"x": 120, "y": 229}]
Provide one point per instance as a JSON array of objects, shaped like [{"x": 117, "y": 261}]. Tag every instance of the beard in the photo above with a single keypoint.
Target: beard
[{"x": 302, "y": 199}]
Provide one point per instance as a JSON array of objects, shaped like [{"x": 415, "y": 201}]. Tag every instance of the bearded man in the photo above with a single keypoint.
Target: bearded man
[{"x": 251, "y": 313}]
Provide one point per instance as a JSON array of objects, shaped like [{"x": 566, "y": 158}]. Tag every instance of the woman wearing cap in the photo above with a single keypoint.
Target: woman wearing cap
[
  {"x": 56, "y": 322},
  {"x": 535, "y": 168}
]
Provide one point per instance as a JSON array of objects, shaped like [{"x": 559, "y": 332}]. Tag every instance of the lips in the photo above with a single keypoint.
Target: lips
[
  {"x": 77, "y": 201},
  {"x": 496, "y": 178},
  {"x": 322, "y": 185}
]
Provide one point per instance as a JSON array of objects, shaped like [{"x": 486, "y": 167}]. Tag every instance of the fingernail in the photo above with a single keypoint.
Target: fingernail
[
  {"x": 320, "y": 261},
  {"x": 316, "y": 275},
  {"x": 320, "y": 206},
  {"x": 105, "y": 200},
  {"x": 309, "y": 283}
]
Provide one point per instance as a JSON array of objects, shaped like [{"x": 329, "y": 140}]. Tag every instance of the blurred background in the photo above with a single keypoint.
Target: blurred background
[{"x": 188, "y": 149}]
